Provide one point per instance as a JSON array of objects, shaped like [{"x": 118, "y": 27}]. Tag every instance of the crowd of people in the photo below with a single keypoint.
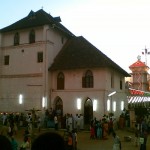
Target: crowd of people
[
  {"x": 11, "y": 122},
  {"x": 45, "y": 141},
  {"x": 142, "y": 129},
  {"x": 99, "y": 128},
  {"x": 54, "y": 118}
]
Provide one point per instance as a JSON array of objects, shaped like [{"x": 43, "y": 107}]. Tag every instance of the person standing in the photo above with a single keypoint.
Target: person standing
[
  {"x": 136, "y": 135},
  {"x": 25, "y": 145},
  {"x": 117, "y": 142},
  {"x": 95, "y": 123},
  {"x": 99, "y": 130},
  {"x": 74, "y": 139},
  {"x": 4, "y": 129},
  {"x": 92, "y": 132},
  {"x": 75, "y": 121},
  {"x": 14, "y": 143},
  {"x": 78, "y": 123},
  {"x": 56, "y": 122},
  {"x": 143, "y": 139},
  {"x": 70, "y": 142},
  {"x": 81, "y": 122},
  {"x": 70, "y": 121},
  {"x": 39, "y": 123},
  {"x": 105, "y": 130},
  {"x": 15, "y": 129},
  {"x": 110, "y": 126},
  {"x": 4, "y": 118},
  {"x": 66, "y": 136}
]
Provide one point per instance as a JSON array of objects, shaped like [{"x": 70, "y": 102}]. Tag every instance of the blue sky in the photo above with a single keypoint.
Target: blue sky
[{"x": 119, "y": 28}]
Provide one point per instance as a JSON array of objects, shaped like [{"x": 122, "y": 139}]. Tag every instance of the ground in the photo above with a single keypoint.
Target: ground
[{"x": 85, "y": 143}]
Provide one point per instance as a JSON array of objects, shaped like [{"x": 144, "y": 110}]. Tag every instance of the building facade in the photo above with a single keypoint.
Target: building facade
[
  {"x": 139, "y": 95},
  {"x": 44, "y": 65}
]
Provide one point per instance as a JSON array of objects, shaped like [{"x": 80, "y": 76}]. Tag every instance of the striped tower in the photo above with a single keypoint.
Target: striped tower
[{"x": 139, "y": 74}]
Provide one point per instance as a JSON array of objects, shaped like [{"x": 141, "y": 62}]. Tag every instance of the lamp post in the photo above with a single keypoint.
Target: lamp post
[
  {"x": 110, "y": 95},
  {"x": 146, "y": 52}
]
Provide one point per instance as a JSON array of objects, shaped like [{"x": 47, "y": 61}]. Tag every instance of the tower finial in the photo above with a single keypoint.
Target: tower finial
[
  {"x": 139, "y": 57},
  {"x": 146, "y": 52}
]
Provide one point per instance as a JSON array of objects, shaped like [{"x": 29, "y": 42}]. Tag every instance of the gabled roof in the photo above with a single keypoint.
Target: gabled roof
[
  {"x": 35, "y": 19},
  {"x": 138, "y": 64},
  {"x": 79, "y": 53}
]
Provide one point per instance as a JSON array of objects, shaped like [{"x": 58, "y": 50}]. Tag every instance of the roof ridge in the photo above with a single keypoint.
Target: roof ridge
[
  {"x": 80, "y": 53},
  {"x": 34, "y": 19},
  {"x": 138, "y": 63}
]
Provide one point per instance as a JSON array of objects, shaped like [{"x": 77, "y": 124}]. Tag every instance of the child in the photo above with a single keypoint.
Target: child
[
  {"x": 25, "y": 145},
  {"x": 92, "y": 132},
  {"x": 74, "y": 139},
  {"x": 14, "y": 143},
  {"x": 117, "y": 142},
  {"x": 136, "y": 135},
  {"x": 70, "y": 142},
  {"x": 66, "y": 136},
  {"x": 99, "y": 131}
]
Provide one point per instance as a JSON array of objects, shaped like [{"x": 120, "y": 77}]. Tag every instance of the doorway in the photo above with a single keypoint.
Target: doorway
[{"x": 88, "y": 112}]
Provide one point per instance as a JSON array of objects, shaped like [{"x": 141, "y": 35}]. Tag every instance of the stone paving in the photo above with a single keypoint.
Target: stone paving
[{"x": 85, "y": 143}]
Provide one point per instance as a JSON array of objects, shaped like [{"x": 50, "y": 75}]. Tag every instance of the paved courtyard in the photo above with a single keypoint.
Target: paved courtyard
[{"x": 85, "y": 143}]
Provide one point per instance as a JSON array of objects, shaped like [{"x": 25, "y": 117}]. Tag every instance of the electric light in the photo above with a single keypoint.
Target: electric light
[
  {"x": 44, "y": 102},
  {"x": 108, "y": 105},
  {"x": 94, "y": 105},
  {"x": 114, "y": 106},
  {"x": 122, "y": 105},
  {"x": 20, "y": 99},
  {"x": 78, "y": 103},
  {"x": 112, "y": 93}
]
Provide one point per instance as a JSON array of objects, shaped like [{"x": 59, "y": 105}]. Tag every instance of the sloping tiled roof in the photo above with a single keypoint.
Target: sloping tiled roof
[
  {"x": 79, "y": 53},
  {"x": 35, "y": 19},
  {"x": 137, "y": 64}
]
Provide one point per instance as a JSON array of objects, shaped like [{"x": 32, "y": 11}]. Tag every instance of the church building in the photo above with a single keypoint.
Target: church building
[{"x": 44, "y": 65}]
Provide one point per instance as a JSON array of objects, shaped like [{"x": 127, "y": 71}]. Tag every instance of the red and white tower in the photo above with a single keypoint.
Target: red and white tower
[{"x": 139, "y": 74}]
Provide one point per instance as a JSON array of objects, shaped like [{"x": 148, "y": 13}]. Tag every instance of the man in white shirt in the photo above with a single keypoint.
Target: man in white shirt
[{"x": 56, "y": 122}]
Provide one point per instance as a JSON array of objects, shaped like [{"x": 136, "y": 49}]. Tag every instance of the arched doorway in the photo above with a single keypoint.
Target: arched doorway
[
  {"x": 59, "y": 106},
  {"x": 59, "y": 111},
  {"x": 88, "y": 112}
]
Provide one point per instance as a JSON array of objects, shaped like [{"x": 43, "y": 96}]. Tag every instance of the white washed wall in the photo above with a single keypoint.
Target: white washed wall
[
  {"x": 23, "y": 64},
  {"x": 73, "y": 90}
]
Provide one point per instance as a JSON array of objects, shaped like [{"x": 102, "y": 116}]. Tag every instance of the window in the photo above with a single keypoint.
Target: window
[
  {"x": 32, "y": 36},
  {"x": 6, "y": 60},
  {"x": 40, "y": 57},
  {"x": 16, "y": 39},
  {"x": 60, "y": 81},
  {"x": 87, "y": 80}
]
